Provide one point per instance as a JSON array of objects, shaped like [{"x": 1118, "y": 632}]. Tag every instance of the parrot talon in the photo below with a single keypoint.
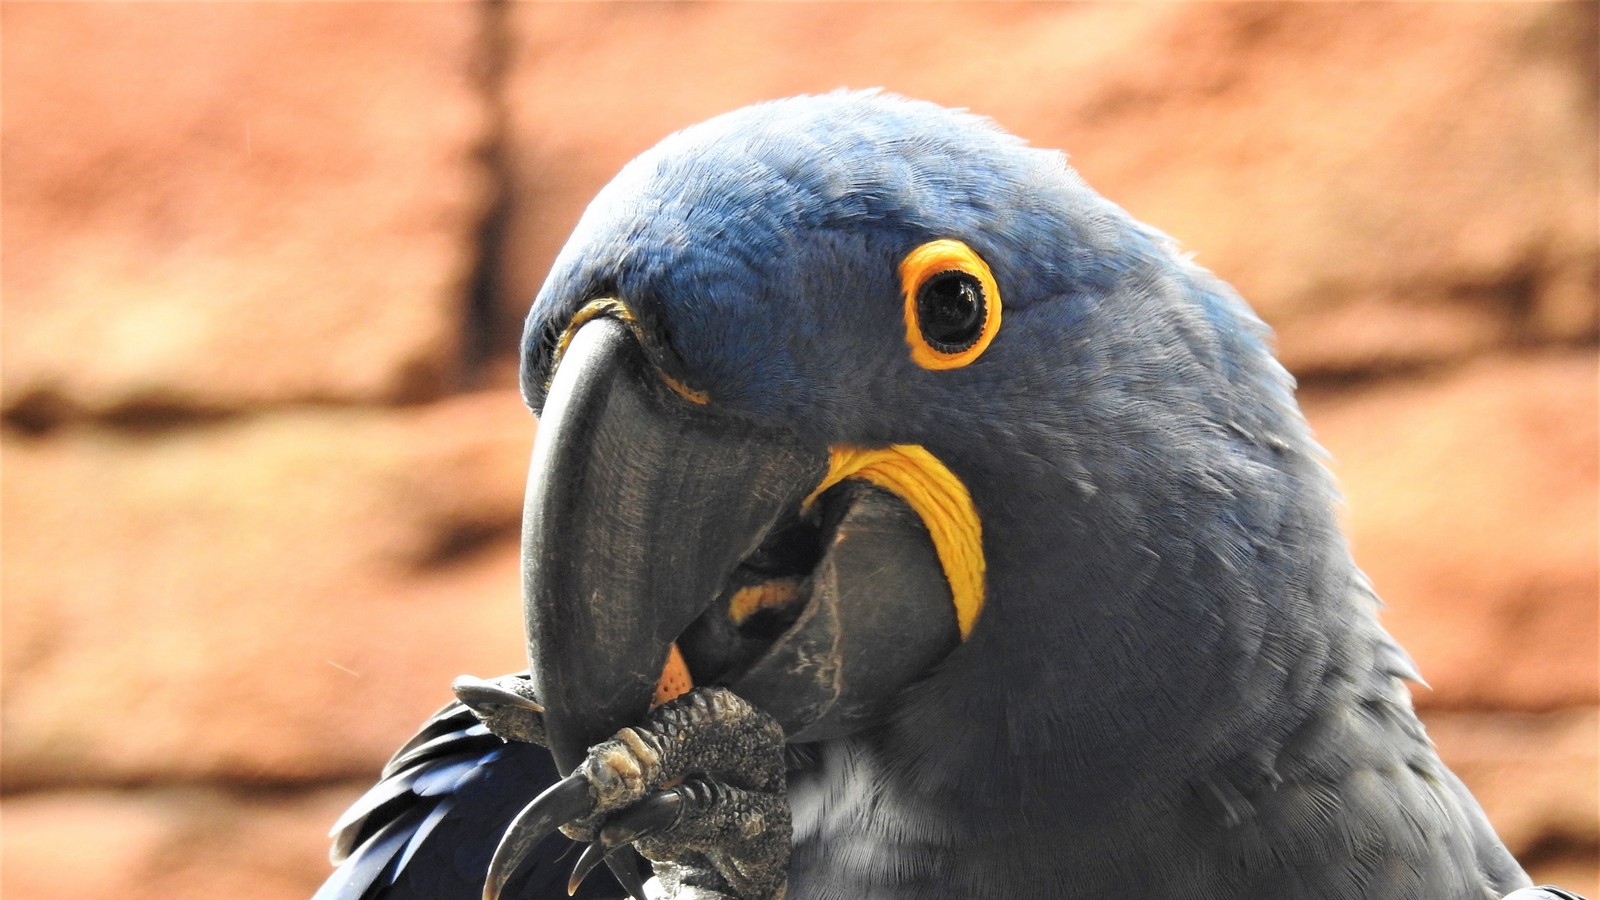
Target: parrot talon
[
  {"x": 505, "y": 705},
  {"x": 482, "y": 694},
  {"x": 647, "y": 818},
  {"x": 650, "y": 816},
  {"x": 625, "y": 865},
  {"x": 593, "y": 854},
  {"x": 698, "y": 787},
  {"x": 567, "y": 799}
]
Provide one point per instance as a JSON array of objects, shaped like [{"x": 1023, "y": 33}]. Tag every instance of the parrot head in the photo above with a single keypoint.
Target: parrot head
[{"x": 873, "y": 413}]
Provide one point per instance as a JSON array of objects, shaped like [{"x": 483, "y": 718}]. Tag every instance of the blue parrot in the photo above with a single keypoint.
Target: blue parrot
[{"x": 906, "y": 520}]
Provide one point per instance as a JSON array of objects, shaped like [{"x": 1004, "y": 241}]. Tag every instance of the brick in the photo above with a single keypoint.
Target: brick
[
  {"x": 162, "y": 843},
  {"x": 1538, "y": 779},
  {"x": 1392, "y": 185},
  {"x": 217, "y": 206},
  {"x": 1470, "y": 498},
  {"x": 265, "y": 600}
]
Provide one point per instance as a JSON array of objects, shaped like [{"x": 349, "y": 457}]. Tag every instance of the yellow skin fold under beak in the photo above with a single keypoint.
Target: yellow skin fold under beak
[{"x": 939, "y": 498}]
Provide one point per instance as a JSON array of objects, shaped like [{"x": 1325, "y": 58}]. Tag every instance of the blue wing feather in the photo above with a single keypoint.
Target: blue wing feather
[{"x": 430, "y": 825}]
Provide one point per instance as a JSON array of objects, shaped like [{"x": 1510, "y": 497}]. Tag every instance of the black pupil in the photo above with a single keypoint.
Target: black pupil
[{"x": 950, "y": 311}]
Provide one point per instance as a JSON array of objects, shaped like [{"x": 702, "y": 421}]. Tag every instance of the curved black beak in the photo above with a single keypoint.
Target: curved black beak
[
  {"x": 653, "y": 520},
  {"x": 640, "y": 503}
]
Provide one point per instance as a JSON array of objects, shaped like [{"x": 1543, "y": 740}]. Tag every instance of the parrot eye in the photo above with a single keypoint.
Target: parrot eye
[
  {"x": 951, "y": 311},
  {"x": 952, "y": 304}
]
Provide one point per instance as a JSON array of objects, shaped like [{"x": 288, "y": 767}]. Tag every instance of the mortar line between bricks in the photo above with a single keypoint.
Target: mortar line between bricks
[{"x": 481, "y": 338}]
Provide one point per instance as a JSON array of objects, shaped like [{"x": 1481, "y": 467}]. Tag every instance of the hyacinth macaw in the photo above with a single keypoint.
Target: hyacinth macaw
[{"x": 905, "y": 520}]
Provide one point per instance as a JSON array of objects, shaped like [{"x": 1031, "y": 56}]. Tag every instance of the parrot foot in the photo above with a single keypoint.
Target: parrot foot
[
  {"x": 698, "y": 788},
  {"x": 505, "y": 705}
]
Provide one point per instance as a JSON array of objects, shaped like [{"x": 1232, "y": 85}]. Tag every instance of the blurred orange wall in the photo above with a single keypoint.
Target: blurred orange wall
[{"x": 263, "y": 266}]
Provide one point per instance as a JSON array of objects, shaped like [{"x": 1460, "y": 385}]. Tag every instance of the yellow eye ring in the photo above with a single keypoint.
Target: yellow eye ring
[{"x": 952, "y": 304}]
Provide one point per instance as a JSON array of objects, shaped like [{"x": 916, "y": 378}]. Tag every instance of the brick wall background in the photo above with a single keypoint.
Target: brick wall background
[{"x": 263, "y": 265}]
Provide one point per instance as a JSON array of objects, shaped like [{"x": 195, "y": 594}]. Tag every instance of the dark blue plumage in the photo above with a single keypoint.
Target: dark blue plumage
[
  {"x": 1178, "y": 686},
  {"x": 427, "y": 829}
]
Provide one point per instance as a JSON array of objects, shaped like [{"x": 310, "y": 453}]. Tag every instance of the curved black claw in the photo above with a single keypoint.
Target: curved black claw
[
  {"x": 593, "y": 853},
  {"x": 653, "y": 814},
  {"x": 625, "y": 866},
  {"x": 506, "y": 705},
  {"x": 486, "y": 697},
  {"x": 567, "y": 799},
  {"x": 698, "y": 788},
  {"x": 647, "y": 817}
]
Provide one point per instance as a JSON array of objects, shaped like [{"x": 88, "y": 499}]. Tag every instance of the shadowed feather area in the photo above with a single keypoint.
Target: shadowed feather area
[{"x": 428, "y": 828}]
